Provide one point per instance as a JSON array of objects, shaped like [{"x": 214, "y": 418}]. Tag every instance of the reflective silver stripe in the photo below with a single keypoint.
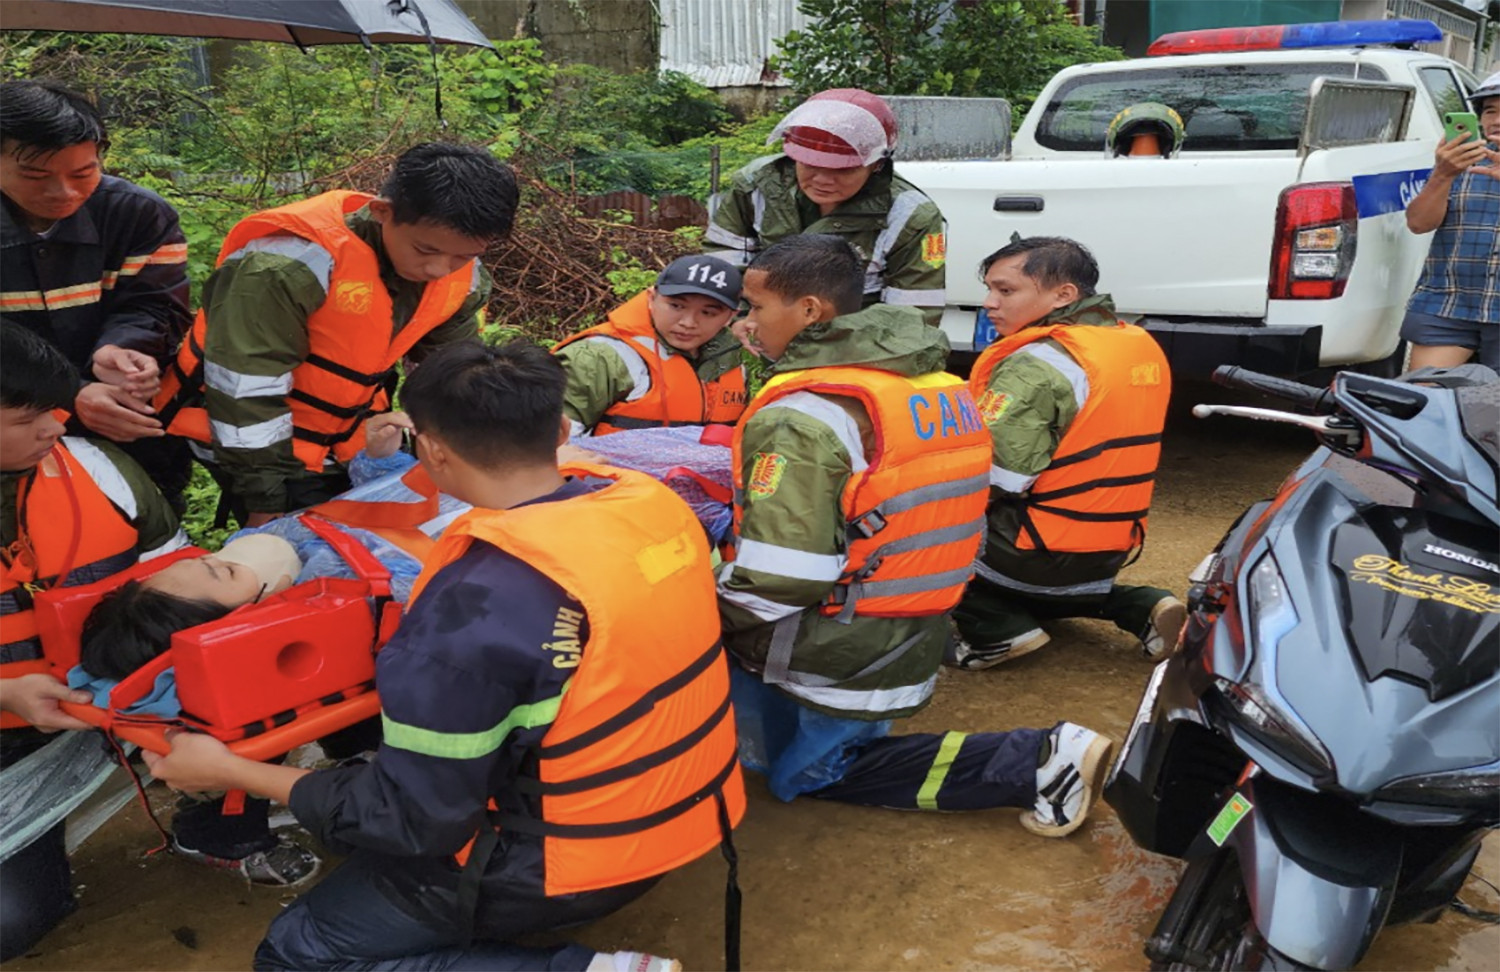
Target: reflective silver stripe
[
  {"x": 779, "y": 654},
  {"x": 762, "y": 608},
  {"x": 806, "y": 678},
  {"x": 105, "y": 474},
  {"x": 236, "y": 384},
  {"x": 200, "y": 451},
  {"x": 911, "y": 585},
  {"x": 1000, "y": 580},
  {"x": 778, "y": 668},
  {"x": 640, "y": 375},
  {"x": 176, "y": 542},
  {"x": 256, "y": 436},
  {"x": 840, "y": 422},
  {"x": 305, "y": 252},
  {"x": 718, "y": 234},
  {"x": 1011, "y": 482},
  {"x": 474, "y": 278},
  {"x": 854, "y": 700},
  {"x": 914, "y": 298},
  {"x": 768, "y": 558},
  {"x": 757, "y": 224},
  {"x": 931, "y": 493},
  {"x": 933, "y": 538},
  {"x": 1063, "y": 362},
  {"x": 895, "y": 221}
]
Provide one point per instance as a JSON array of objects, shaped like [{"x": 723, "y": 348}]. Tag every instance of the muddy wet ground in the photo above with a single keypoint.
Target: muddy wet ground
[{"x": 837, "y": 887}]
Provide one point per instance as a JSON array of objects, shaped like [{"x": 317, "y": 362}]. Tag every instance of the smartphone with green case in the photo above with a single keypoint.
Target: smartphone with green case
[{"x": 1456, "y": 123}]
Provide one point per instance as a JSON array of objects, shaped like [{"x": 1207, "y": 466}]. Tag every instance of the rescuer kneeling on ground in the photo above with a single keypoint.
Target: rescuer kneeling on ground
[
  {"x": 72, "y": 511},
  {"x": 860, "y": 473},
  {"x": 557, "y": 728},
  {"x": 1075, "y": 402}
]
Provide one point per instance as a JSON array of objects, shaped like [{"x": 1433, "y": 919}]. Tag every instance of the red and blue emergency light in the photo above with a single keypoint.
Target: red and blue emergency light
[{"x": 1273, "y": 37}]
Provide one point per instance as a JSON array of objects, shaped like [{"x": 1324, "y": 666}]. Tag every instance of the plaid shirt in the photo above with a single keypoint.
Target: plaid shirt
[{"x": 1462, "y": 276}]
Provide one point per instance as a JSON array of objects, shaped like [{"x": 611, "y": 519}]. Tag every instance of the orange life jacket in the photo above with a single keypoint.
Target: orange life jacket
[
  {"x": 915, "y": 514},
  {"x": 641, "y": 755},
  {"x": 1094, "y": 495},
  {"x": 351, "y": 353},
  {"x": 69, "y": 533},
  {"x": 677, "y": 395}
]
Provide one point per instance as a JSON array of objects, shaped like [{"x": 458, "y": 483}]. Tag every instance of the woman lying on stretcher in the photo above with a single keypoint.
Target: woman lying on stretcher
[{"x": 135, "y": 623}]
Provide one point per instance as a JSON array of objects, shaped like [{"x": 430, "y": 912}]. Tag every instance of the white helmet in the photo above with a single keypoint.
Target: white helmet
[{"x": 1488, "y": 89}]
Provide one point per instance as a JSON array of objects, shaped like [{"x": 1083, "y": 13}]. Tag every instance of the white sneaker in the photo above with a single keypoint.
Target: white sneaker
[
  {"x": 971, "y": 658},
  {"x": 1163, "y": 634},
  {"x": 1068, "y": 783},
  {"x": 632, "y": 962}
]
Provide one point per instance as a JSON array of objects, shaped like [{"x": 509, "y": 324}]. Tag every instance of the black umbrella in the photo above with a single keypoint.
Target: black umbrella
[{"x": 302, "y": 22}]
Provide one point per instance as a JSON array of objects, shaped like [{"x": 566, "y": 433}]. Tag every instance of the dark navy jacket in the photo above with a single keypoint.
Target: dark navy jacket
[
  {"x": 468, "y": 687},
  {"x": 115, "y": 272}
]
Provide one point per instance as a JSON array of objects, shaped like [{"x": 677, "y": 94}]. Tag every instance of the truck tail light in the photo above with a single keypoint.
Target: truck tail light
[{"x": 1316, "y": 226}]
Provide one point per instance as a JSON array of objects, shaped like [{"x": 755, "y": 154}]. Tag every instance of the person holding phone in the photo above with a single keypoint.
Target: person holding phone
[{"x": 1455, "y": 309}]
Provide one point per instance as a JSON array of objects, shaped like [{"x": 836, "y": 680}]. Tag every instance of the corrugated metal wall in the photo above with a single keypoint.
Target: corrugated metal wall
[{"x": 725, "y": 43}]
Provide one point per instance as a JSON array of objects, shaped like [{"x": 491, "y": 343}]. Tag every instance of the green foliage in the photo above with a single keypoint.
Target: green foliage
[
  {"x": 629, "y": 277},
  {"x": 202, "y": 495},
  {"x": 738, "y": 145},
  {"x": 611, "y": 131},
  {"x": 984, "y": 48},
  {"x": 512, "y": 80}
]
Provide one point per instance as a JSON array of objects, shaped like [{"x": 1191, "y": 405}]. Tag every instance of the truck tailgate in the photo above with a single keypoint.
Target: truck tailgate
[{"x": 1189, "y": 236}]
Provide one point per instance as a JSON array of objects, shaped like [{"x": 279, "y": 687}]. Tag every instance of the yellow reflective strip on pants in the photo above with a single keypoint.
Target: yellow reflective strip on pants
[{"x": 941, "y": 763}]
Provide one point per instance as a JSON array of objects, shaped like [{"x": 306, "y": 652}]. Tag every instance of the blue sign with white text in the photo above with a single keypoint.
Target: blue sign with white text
[
  {"x": 1387, "y": 192},
  {"x": 984, "y": 331}
]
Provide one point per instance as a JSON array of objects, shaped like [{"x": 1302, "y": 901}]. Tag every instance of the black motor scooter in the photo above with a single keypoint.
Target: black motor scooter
[{"x": 1325, "y": 749}]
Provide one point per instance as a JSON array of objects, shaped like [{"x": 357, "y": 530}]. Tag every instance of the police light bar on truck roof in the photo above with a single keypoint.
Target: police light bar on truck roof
[{"x": 1336, "y": 33}]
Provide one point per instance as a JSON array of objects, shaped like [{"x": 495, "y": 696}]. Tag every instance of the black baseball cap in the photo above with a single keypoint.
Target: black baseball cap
[{"x": 704, "y": 275}]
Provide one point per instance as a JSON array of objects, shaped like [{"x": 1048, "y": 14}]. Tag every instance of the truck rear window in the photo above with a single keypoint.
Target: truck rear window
[{"x": 1240, "y": 107}]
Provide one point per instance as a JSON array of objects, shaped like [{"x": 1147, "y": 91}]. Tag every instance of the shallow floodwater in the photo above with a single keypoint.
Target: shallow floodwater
[{"x": 837, "y": 887}]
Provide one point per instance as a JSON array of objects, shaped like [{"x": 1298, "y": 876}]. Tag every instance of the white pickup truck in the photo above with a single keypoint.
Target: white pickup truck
[{"x": 1276, "y": 239}]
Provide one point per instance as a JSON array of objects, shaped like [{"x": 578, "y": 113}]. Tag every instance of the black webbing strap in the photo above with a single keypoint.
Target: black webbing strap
[
  {"x": 732, "y": 896},
  {"x": 523, "y": 824},
  {"x": 628, "y": 422},
  {"x": 323, "y": 405},
  {"x": 1090, "y": 486},
  {"x": 1100, "y": 448},
  {"x": 635, "y": 710},
  {"x": 329, "y": 439},
  {"x": 347, "y": 373},
  {"x": 1031, "y": 530},
  {"x": 634, "y": 767},
  {"x": 1081, "y": 516},
  {"x": 188, "y": 384},
  {"x": 19, "y": 598},
  {"x": 470, "y": 879}
]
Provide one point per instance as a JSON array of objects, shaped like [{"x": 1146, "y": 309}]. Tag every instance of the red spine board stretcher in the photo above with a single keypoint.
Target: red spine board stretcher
[{"x": 265, "y": 678}]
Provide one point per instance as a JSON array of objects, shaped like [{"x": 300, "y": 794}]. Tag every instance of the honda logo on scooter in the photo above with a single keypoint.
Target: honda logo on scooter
[{"x": 1462, "y": 558}]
